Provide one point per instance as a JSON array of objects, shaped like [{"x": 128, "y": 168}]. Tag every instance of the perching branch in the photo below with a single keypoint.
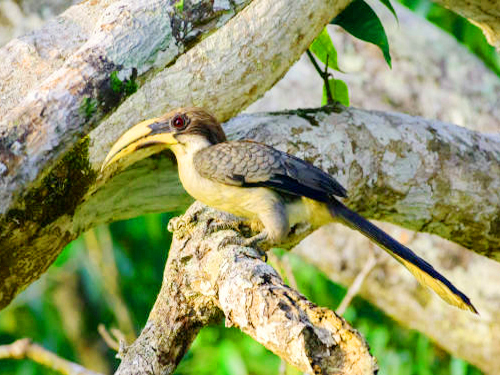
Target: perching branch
[
  {"x": 205, "y": 279},
  {"x": 24, "y": 348}
]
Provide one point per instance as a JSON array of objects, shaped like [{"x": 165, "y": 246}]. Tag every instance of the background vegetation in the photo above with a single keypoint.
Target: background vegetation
[{"x": 111, "y": 276}]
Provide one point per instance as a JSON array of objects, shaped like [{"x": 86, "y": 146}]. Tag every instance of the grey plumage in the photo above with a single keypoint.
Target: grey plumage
[{"x": 252, "y": 164}]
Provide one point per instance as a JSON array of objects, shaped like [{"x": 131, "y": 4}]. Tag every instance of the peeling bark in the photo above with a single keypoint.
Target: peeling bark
[{"x": 205, "y": 278}]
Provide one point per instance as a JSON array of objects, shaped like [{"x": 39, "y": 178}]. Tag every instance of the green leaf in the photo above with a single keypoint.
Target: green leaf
[
  {"x": 361, "y": 21},
  {"x": 339, "y": 91},
  {"x": 179, "y": 5},
  {"x": 322, "y": 47},
  {"x": 389, "y": 6}
]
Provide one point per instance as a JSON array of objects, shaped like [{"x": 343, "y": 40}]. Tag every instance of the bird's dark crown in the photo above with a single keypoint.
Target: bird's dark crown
[{"x": 191, "y": 120}]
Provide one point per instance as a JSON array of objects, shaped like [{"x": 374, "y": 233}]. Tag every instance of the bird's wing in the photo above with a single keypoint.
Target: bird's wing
[{"x": 247, "y": 164}]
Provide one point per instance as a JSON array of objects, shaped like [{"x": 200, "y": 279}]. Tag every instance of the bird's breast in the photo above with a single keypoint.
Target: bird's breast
[{"x": 244, "y": 202}]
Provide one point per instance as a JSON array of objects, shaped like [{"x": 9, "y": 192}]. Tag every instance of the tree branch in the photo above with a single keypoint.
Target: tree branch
[
  {"x": 24, "y": 348},
  {"x": 205, "y": 278},
  {"x": 47, "y": 169},
  {"x": 358, "y": 282}
]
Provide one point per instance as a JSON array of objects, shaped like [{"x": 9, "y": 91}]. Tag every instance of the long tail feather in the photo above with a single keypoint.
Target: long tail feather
[{"x": 422, "y": 270}]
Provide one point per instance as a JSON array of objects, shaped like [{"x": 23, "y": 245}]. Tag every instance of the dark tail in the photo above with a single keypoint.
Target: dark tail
[{"x": 422, "y": 270}]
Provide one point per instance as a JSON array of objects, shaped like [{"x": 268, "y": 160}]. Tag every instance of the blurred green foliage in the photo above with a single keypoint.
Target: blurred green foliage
[
  {"x": 361, "y": 21},
  {"x": 62, "y": 310},
  {"x": 464, "y": 31}
]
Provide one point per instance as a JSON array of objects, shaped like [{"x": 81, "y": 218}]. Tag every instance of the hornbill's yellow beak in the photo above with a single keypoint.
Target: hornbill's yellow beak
[{"x": 148, "y": 133}]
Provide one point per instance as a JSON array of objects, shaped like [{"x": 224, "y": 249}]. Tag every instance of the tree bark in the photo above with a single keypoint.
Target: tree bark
[
  {"x": 47, "y": 165},
  {"x": 205, "y": 278}
]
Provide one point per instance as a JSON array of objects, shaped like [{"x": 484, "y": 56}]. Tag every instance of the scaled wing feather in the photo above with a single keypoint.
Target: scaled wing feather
[{"x": 247, "y": 164}]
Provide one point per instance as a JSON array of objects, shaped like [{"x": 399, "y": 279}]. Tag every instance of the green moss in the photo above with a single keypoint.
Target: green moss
[
  {"x": 179, "y": 5},
  {"x": 126, "y": 87},
  {"x": 114, "y": 90},
  {"x": 88, "y": 108},
  {"x": 60, "y": 191}
]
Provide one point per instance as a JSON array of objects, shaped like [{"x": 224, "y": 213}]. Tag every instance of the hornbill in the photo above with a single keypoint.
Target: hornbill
[{"x": 257, "y": 182}]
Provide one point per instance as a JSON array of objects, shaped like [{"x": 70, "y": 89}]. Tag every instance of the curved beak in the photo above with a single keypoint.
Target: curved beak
[{"x": 145, "y": 134}]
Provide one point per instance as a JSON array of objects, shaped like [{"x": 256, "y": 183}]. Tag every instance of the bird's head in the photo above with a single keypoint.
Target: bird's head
[{"x": 174, "y": 130}]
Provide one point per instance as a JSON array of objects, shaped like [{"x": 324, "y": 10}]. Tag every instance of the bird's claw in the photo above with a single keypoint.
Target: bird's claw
[
  {"x": 225, "y": 225},
  {"x": 179, "y": 225},
  {"x": 175, "y": 223},
  {"x": 251, "y": 242}
]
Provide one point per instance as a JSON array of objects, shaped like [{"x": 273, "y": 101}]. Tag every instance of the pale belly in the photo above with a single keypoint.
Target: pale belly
[
  {"x": 243, "y": 202},
  {"x": 252, "y": 203}
]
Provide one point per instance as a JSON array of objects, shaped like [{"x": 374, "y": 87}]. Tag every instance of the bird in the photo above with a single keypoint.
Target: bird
[{"x": 260, "y": 183}]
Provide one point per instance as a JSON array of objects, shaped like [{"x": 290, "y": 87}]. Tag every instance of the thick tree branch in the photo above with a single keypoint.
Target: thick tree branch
[
  {"x": 205, "y": 278},
  {"x": 122, "y": 41}
]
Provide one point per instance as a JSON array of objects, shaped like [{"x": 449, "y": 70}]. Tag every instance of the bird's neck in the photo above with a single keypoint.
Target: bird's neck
[
  {"x": 184, "y": 153},
  {"x": 188, "y": 146}
]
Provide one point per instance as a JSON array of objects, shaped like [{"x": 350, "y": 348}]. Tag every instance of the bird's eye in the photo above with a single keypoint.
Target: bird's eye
[{"x": 179, "y": 122}]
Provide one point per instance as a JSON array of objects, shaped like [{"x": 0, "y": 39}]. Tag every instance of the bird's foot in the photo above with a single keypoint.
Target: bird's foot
[
  {"x": 180, "y": 225},
  {"x": 255, "y": 240},
  {"x": 214, "y": 226},
  {"x": 251, "y": 242}
]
